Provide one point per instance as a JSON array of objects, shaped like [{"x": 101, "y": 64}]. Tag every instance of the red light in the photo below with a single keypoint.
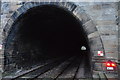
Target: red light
[
  {"x": 108, "y": 64},
  {"x": 113, "y": 65}
]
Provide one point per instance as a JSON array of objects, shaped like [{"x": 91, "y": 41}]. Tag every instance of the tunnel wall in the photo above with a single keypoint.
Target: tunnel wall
[
  {"x": 98, "y": 19},
  {"x": 119, "y": 36}
]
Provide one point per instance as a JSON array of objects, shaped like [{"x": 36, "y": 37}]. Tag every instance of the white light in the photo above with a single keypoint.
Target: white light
[
  {"x": 0, "y": 47},
  {"x": 83, "y": 48},
  {"x": 110, "y": 68}
]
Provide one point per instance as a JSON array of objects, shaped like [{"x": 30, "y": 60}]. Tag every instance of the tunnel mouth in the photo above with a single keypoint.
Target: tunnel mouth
[{"x": 42, "y": 33}]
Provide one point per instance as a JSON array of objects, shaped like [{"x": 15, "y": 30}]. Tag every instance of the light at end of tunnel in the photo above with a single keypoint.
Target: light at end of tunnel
[{"x": 83, "y": 48}]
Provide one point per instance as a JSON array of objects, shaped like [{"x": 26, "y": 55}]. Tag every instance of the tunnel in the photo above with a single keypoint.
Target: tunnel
[{"x": 43, "y": 33}]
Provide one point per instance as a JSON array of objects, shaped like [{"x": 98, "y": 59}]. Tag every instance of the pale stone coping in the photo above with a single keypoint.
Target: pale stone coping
[
  {"x": 90, "y": 27},
  {"x": 64, "y": 0},
  {"x": 94, "y": 34},
  {"x": 105, "y": 27},
  {"x": 89, "y": 24},
  {"x": 105, "y": 22}
]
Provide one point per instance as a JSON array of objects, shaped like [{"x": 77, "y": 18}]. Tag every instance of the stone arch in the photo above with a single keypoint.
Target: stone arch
[{"x": 95, "y": 42}]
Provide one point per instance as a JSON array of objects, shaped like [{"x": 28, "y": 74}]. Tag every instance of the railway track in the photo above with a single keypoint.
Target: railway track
[{"x": 62, "y": 68}]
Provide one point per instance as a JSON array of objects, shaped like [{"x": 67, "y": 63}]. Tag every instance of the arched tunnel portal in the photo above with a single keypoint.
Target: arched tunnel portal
[{"x": 45, "y": 32}]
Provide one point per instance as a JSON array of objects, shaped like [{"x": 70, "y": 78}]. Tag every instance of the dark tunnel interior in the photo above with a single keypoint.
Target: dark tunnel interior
[{"x": 45, "y": 32}]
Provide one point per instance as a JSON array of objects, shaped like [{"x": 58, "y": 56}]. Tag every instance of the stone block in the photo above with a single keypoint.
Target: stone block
[
  {"x": 28, "y": 5},
  {"x": 106, "y": 17},
  {"x": 10, "y": 23},
  {"x": 105, "y": 22},
  {"x": 78, "y": 10},
  {"x": 96, "y": 44},
  {"x": 107, "y": 5},
  {"x": 96, "y": 7},
  {"x": 89, "y": 27},
  {"x": 21, "y": 10},
  {"x": 83, "y": 17},
  {"x": 6, "y": 29},
  {"x": 94, "y": 14},
  {"x": 36, "y": 4},
  {"x": 93, "y": 35},
  {"x": 107, "y": 29},
  {"x": 15, "y": 15},
  {"x": 70, "y": 6}
]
